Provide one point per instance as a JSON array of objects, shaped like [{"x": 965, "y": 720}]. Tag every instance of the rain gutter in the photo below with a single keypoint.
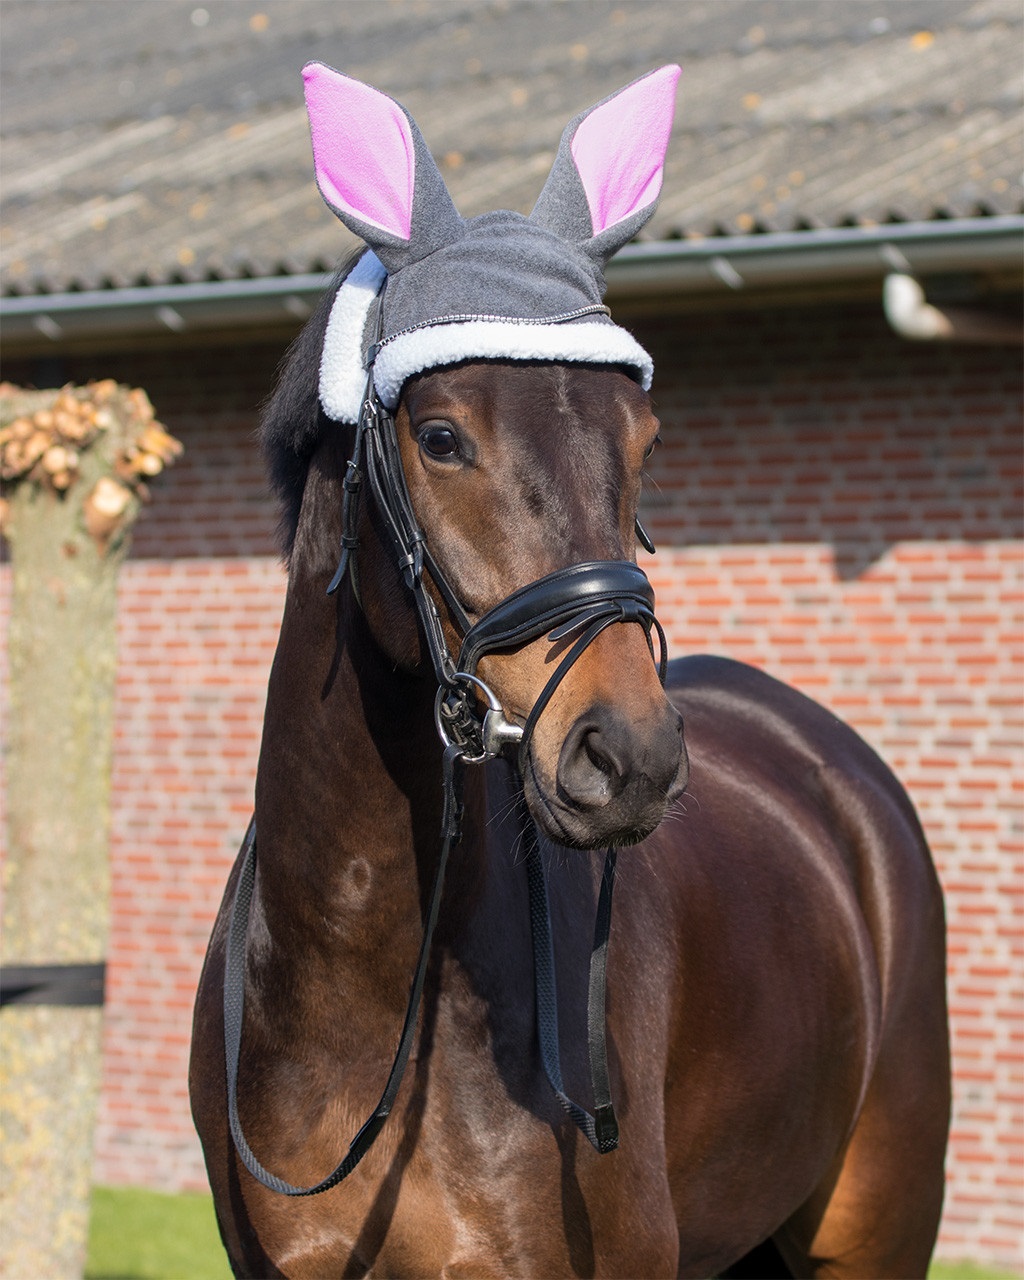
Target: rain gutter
[
  {"x": 721, "y": 265},
  {"x": 806, "y": 258},
  {"x": 169, "y": 309}
]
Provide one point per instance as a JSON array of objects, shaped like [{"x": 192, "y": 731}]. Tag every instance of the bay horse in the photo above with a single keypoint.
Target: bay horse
[{"x": 774, "y": 1019}]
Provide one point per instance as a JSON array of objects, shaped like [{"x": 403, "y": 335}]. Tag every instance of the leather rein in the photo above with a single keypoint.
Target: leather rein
[{"x": 579, "y": 601}]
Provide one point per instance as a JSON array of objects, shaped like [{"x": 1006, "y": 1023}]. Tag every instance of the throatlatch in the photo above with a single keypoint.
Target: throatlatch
[{"x": 433, "y": 289}]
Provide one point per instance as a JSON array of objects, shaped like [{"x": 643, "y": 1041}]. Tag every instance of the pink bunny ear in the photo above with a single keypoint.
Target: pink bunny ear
[
  {"x": 363, "y": 150},
  {"x": 606, "y": 178},
  {"x": 374, "y": 169},
  {"x": 619, "y": 148}
]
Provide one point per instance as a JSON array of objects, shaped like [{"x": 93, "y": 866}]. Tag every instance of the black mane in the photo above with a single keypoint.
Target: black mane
[{"x": 292, "y": 422}]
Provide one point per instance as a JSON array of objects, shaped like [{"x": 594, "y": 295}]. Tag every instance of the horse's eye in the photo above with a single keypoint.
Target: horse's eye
[
  {"x": 439, "y": 441},
  {"x": 651, "y": 447}
]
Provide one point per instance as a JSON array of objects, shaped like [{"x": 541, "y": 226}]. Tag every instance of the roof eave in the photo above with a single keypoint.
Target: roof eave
[
  {"x": 766, "y": 264},
  {"x": 828, "y": 257}
]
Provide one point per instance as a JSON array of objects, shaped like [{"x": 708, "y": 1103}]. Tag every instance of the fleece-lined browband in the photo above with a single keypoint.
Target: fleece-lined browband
[
  {"x": 498, "y": 286},
  {"x": 446, "y": 340}
]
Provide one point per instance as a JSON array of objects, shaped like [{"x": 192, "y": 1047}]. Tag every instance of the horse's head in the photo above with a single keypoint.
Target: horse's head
[
  {"x": 515, "y": 471},
  {"x": 521, "y": 423}
]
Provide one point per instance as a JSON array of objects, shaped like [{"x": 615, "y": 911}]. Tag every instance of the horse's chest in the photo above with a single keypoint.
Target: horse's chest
[
  {"x": 468, "y": 1182},
  {"x": 535, "y": 1218}
]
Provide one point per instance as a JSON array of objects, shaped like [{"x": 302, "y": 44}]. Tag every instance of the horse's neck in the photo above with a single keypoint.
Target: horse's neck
[
  {"x": 349, "y": 812},
  {"x": 348, "y": 795}
]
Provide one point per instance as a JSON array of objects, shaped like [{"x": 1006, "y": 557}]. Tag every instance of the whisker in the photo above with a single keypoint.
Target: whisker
[{"x": 503, "y": 811}]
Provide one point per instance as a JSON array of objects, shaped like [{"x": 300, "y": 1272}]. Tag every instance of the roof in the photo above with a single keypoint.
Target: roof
[{"x": 148, "y": 144}]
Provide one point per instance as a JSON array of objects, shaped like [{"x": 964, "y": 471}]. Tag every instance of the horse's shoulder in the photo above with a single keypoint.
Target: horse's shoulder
[{"x": 774, "y": 733}]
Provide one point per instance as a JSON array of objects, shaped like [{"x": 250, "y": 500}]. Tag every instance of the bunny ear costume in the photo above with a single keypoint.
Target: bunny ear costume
[{"x": 501, "y": 285}]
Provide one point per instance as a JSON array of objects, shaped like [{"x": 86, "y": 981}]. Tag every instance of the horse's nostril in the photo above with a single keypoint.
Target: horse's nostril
[
  {"x": 606, "y": 757},
  {"x": 593, "y": 744},
  {"x": 592, "y": 769}
]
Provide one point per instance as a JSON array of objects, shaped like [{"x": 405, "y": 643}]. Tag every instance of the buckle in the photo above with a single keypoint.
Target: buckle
[{"x": 457, "y": 724}]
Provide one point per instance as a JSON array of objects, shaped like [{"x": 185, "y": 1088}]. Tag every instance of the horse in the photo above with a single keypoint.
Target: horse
[{"x": 770, "y": 1014}]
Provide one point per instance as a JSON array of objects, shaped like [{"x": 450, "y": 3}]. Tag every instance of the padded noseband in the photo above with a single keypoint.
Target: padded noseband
[{"x": 568, "y": 594}]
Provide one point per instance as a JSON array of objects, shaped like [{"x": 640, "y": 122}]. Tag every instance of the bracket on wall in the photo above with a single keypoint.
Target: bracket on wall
[{"x": 912, "y": 316}]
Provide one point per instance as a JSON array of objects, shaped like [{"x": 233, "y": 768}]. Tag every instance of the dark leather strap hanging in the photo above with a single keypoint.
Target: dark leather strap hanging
[
  {"x": 234, "y": 1000},
  {"x": 580, "y": 600},
  {"x": 601, "y": 1129}
]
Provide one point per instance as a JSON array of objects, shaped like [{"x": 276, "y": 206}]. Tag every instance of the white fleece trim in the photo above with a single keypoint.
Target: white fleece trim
[
  {"x": 588, "y": 343},
  {"x": 342, "y": 375}
]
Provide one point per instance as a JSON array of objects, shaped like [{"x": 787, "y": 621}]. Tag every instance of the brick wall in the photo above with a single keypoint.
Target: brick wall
[
  {"x": 200, "y": 607},
  {"x": 830, "y": 503},
  {"x": 844, "y": 510}
]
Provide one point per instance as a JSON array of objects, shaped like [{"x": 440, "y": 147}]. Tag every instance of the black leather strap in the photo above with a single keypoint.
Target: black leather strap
[
  {"x": 559, "y": 597},
  {"x": 59, "y": 985},
  {"x": 234, "y": 999},
  {"x": 594, "y": 623},
  {"x": 601, "y": 1129}
]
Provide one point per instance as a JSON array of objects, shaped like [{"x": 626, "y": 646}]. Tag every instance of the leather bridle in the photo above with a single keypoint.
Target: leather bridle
[
  {"x": 575, "y": 603},
  {"x": 583, "y": 598}
]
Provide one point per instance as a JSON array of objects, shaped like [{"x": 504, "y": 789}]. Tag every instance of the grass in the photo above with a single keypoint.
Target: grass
[
  {"x": 967, "y": 1271},
  {"x": 145, "y": 1235}
]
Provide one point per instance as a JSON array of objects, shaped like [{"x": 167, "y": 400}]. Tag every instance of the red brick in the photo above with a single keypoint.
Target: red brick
[{"x": 813, "y": 519}]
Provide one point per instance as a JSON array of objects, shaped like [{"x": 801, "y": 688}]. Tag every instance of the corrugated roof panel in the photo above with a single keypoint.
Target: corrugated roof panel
[{"x": 168, "y": 141}]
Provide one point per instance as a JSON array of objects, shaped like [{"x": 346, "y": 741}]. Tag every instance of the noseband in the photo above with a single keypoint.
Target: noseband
[{"x": 574, "y": 605}]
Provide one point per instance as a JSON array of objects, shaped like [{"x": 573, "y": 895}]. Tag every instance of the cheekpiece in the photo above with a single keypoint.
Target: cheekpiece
[{"x": 497, "y": 286}]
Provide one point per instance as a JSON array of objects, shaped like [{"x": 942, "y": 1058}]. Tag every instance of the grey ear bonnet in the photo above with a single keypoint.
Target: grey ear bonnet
[{"x": 498, "y": 286}]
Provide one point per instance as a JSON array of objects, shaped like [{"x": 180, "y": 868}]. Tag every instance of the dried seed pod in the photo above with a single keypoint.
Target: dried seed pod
[
  {"x": 64, "y": 421},
  {"x": 55, "y": 459},
  {"x": 43, "y": 419},
  {"x": 20, "y": 428},
  {"x": 35, "y": 446},
  {"x": 103, "y": 391},
  {"x": 61, "y": 480},
  {"x": 12, "y": 462},
  {"x": 76, "y": 430},
  {"x": 109, "y": 497},
  {"x": 104, "y": 508},
  {"x": 147, "y": 464},
  {"x": 140, "y": 405},
  {"x": 103, "y": 419},
  {"x": 156, "y": 440}
]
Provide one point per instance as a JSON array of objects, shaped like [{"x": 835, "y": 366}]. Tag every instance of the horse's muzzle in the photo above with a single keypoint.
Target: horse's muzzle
[{"x": 615, "y": 779}]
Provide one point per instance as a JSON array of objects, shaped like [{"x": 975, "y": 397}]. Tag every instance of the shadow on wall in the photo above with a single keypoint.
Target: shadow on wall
[
  {"x": 819, "y": 427},
  {"x": 811, "y": 426}
]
